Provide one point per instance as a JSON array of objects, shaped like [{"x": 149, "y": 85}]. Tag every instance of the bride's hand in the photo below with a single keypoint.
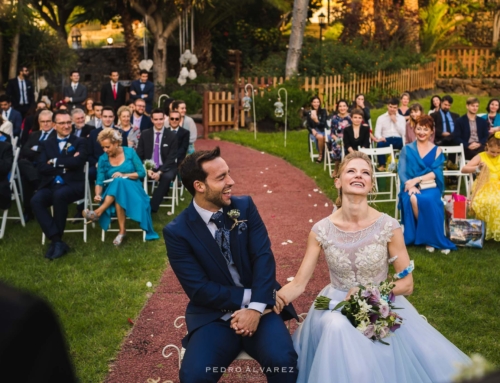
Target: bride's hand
[
  {"x": 351, "y": 292},
  {"x": 285, "y": 296}
]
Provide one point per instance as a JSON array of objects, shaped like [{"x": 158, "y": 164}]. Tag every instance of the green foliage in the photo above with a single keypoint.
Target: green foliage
[
  {"x": 379, "y": 93},
  {"x": 297, "y": 100},
  {"x": 194, "y": 101}
]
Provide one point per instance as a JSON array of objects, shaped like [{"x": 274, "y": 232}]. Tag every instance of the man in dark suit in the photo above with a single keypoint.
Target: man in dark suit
[
  {"x": 160, "y": 145},
  {"x": 21, "y": 91},
  {"x": 227, "y": 269},
  {"x": 10, "y": 114},
  {"x": 96, "y": 120},
  {"x": 28, "y": 323},
  {"x": 75, "y": 93},
  {"x": 143, "y": 89},
  {"x": 138, "y": 118},
  {"x": 113, "y": 93},
  {"x": 79, "y": 128},
  {"x": 62, "y": 181},
  {"x": 182, "y": 135},
  {"x": 6, "y": 158},
  {"x": 471, "y": 131},
  {"x": 444, "y": 123},
  {"x": 30, "y": 154}
]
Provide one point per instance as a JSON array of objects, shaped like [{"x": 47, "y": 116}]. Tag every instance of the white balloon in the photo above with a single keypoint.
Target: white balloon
[
  {"x": 193, "y": 60},
  {"x": 181, "y": 81},
  {"x": 42, "y": 82},
  {"x": 187, "y": 54},
  {"x": 192, "y": 74},
  {"x": 146, "y": 64},
  {"x": 183, "y": 60},
  {"x": 184, "y": 72}
]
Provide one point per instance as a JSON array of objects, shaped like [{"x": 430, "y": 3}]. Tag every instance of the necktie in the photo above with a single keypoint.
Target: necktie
[
  {"x": 156, "y": 152},
  {"x": 23, "y": 99},
  {"x": 59, "y": 140},
  {"x": 114, "y": 91},
  {"x": 44, "y": 136},
  {"x": 74, "y": 87},
  {"x": 222, "y": 236},
  {"x": 447, "y": 124}
]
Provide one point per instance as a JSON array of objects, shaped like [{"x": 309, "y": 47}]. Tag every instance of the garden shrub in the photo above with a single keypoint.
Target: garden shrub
[{"x": 194, "y": 101}]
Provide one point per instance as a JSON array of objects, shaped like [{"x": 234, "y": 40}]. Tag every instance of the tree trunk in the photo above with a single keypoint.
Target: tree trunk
[
  {"x": 160, "y": 63},
  {"x": 299, "y": 19},
  {"x": 133, "y": 57},
  {"x": 412, "y": 23},
  {"x": 14, "y": 53},
  {"x": 203, "y": 51}
]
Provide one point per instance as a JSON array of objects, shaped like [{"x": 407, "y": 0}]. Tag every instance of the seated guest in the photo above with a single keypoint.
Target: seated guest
[
  {"x": 359, "y": 103},
  {"x": 12, "y": 115},
  {"x": 139, "y": 119},
  {"x": 6, "y": 126},
  {"x": 160, "y": 146},
  {"x": 182, "y": 136},
  {"x": 30, "y": 123},
  {"x": 62, "y": 181},
  {"x": 6, "y": 158},
  {"x": 390, "y": 130},
  {"x": 420, "y": 170},
  {"x": 357, "y": 134},
  {"x": 493, "y": 116},
  {"x": 130, "y": 104},
  {"x": 88, "y": 105},
  {"x": 124, "y": 123},
  {"x": 435, "y": 104},
  {"x": 339, "y": 121},
  {"x": 186, "y": 123},
  {"x": 471, "y": 131},
  {"x": 416, "y": 110},
  {"x": 124, "y": 196},
  {"x": 80, "y": 128},
  {"x": 444, "y": 123},
  {"x": 486, "y": 189},
  {"x": 316, "y": 125},
  {"x": 404, "y": 110},
  {"x": 95, "y": 118},
  {"x": 30, "y": 154}
]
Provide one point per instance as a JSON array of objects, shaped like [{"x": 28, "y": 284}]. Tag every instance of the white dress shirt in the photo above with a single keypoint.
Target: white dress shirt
[
  {"x": 23, "y": 95},
  {"x": 247, "y": 294},
  {"x": 385, "y": 127}
]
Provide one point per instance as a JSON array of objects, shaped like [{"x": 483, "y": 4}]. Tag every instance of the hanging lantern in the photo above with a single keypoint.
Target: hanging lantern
[
  {"x": 181, "y": 80},
  {"x": 192, "y": 74},
  {"x": 193, "y": 60},
  {"x": 187, "y": 54},
  {"x": 183, "y": 60},
  {"x": 278, "y": 112},
  {"x": 246, "y": 103},
  {"x": 184, "y": 72}
]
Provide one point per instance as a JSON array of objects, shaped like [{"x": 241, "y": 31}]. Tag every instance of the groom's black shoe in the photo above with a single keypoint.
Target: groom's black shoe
[
  {"x": 50, "y": 251},
  {"x": 60, "y": 249}
]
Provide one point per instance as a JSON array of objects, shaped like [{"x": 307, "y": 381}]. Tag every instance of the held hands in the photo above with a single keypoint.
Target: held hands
[
  {"x": 285, "y": 296},
  {"x": 411, "y": 184},
  {"x": 413, "y": 190},
  {"x": 245, "y": 322},
  {"x": 132, "y": 92},
  {"x": 117, "y": 175},
  {"x": 445, "y": 134},
  {"x": 154, "y": 176},
  {"x": 474, "y": 146}
]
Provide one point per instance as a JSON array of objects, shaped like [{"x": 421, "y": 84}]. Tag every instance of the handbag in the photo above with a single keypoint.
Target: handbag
[
  {"x": 427, "y": 184},
  {"x": 467, "y": 232}
]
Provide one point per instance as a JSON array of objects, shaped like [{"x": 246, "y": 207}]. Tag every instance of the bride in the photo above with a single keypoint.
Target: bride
[{"x": 359, "y": 244}]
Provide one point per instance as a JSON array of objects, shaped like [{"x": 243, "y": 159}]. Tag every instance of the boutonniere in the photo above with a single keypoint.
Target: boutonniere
[
  {"x": 234, "y": 215},
  {"x": 69, "y": 148}
]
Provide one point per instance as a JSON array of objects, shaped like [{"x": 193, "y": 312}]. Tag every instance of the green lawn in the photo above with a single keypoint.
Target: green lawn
[{"x": 458, "y": 293}]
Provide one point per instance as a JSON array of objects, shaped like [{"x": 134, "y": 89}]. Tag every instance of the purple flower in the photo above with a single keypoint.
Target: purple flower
[
  {"x": 392, "y": 297},
  {"x": 373, "y": 318},
  {"x": 383, "y": 332},
  {"x": 384, "y": 310},
  {"x": 370, "y": 331},
  {"x": 394, "y": 327},
  {"x": 366, "y": 293}
]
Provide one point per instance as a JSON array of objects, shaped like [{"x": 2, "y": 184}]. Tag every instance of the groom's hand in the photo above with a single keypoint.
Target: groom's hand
[{"x": 245, "y": 321}]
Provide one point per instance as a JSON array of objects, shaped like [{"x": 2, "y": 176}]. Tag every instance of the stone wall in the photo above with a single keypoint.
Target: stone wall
[{"x": 474, "y": 86}]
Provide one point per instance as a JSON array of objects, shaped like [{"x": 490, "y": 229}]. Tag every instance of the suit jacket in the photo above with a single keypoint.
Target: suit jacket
[
  {"x": 15, "y": 93},
  {"x": 68, "y": 167},
  {"x": 94, "y": 148},
  {"x": 79, "y": 96},
  {"x": 146, "y": 122},
  {"x": 6, "y": 158},
  {"x": 85, "y": 130},
  {"x": 34, "y": 140},
  {"x": 168, "y": 148},
  {"x": 27, "y": 322},
  {"x": 363, "y": 140},
  {"x": 107, "y": 98},
  {"x": 17, "y": 121},
  {"x": 202, "y": 270},
  {"x": 438, "y": 127},
  {"x": 462, "y": 130},
  {"x": 149, "y": 90},
  {"x": 182, "y": 143}
]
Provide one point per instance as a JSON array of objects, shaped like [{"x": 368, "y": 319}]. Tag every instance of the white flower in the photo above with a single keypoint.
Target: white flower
[
  {"x": 362, "y": 326},
  {"x": 149, "y": 284},
  {"x": 363, "y": 306}
]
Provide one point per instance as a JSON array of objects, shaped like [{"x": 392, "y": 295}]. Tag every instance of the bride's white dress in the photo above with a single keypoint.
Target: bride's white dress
[{"x": 330, "y": 349}]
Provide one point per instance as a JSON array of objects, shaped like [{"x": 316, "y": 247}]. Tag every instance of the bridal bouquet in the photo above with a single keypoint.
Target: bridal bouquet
[
  {"x": 149, "y": 164},
  {"x": 369, "y": 310}
]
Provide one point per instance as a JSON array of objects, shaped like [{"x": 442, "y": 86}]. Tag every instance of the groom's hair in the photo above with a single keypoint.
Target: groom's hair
[{"x": 191, "y": 169}]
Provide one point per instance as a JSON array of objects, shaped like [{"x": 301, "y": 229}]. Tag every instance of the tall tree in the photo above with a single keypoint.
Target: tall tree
[
  {"x": 55, "y": 13},
  {"x": 299, "y": 18},
  {"x": 412, "y": 19}
]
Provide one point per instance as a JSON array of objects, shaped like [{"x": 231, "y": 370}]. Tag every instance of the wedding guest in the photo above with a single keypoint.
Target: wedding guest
[
  {"x": 339, "y": 121},
  {"x": 6, "y": 126},
  {"x": 130, "y": 104},
  {"x": 444, "y": 123},
  {"x": 6, "y": 158},
  {"x": 357, "y": 134},
  {"x": 316, "y": 125},
  {"x": 390, "y": 130},
  {"x": 75, "y": 93},
  {"x": 96, "y": 117},
  {"x": 124, "y": 123},
  {"x": 186, "y": 123},
  {"x": 435, "y": 104},
  {"x": 88, "y": 109},
  {"x": 404, "y": 110},
  {"x": 30, "y": 123},
  {"x": 493, "y": 115},
  {"x": 62, "y": 181},
  {"x": 21, "y": 91},
  {"x": 12, "y": 115},
  {"x": 143, "y": 89},
  {"x": 416, "y": 110},
  {"x": 160, "y": 145},
  {"x": 138, "y": 118},
  {"x": 182, "y": 135},
  {"x": 486, "y": 189},
  {"x": 359, "y": 103},
  {"x": 119, "y": 188},
  {"x": 80, "y": 128},
  {"x": 420, "y": 170},
  {"x": 113, "y": 93},
  {"x": 471, "y": 131}
]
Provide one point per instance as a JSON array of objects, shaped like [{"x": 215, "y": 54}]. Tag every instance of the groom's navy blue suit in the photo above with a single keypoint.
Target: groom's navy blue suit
[{"x": 198, "y": 263}]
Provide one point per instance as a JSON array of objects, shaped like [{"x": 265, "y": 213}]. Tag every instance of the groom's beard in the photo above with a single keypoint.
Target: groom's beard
[{"x": 216, "y": 197}]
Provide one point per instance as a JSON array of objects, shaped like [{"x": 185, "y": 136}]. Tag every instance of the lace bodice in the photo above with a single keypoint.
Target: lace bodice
[{"x": 358, "y": 257}]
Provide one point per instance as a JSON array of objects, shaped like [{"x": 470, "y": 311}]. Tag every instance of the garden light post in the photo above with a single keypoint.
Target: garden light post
[
  {"x": 321, "y": 21},
  {"x": 246, "y": 101},
  {"x": 278, "y": 112}
]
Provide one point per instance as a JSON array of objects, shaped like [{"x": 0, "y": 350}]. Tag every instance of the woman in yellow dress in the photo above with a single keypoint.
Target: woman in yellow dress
[{"x": 486, "y": 189}]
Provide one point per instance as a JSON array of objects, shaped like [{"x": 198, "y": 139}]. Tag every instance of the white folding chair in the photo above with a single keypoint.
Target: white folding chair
[
  {"x": 312, "y": 147},
  {"x": 460, "y": 163},
  {"x": 86, "y": 200},
  {"x": 171, "y": 198},
  {"x": 14, "y": 195},
  {"x": 392, "y": 194}
]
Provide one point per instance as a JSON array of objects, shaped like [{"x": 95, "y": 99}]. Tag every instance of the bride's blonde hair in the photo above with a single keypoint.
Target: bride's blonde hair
[{"x": 353, "y": 156}]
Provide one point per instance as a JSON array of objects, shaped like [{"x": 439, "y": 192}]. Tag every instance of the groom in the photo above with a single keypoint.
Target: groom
[{"x": 226, "y": 267}]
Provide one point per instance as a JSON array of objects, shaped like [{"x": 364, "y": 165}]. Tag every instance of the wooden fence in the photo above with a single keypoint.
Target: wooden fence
[{"x": 467, "y": 63}]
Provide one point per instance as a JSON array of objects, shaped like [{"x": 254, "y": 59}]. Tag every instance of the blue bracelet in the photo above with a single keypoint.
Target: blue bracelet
[{"x": 406, "y": 271}]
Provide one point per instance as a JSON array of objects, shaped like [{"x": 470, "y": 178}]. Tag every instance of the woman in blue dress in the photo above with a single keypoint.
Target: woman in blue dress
[
  {"x": 119, "y": 188},
  {"x": 339, "y": 121},
  {"x": 420, "y": 171}
]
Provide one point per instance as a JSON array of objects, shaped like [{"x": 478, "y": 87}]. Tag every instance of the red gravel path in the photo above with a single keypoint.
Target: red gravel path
[{"x": 286, "y": 211}]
